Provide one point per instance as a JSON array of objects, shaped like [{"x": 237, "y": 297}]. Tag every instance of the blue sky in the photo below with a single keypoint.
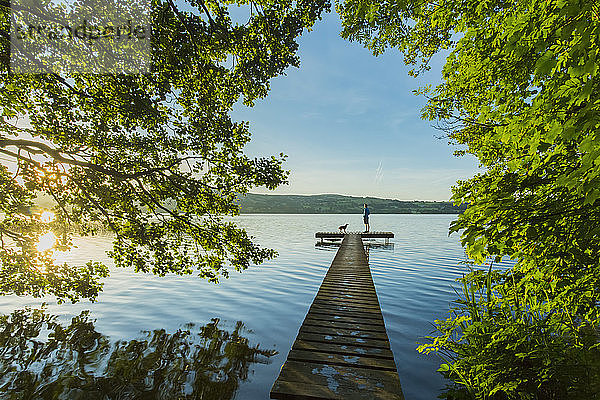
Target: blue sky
[{"x": 350, "y": 124}]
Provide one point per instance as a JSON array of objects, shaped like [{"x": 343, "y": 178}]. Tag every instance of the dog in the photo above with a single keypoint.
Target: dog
[{"x": 343, "y": 228}]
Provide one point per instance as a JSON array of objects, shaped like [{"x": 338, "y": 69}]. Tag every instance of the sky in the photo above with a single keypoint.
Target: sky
[{"x": 350, "y": 124}]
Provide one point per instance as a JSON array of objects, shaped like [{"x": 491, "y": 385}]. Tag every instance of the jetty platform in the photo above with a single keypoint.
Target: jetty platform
[
  {"x": 364, "y": 235},
  {"x": 342, "y": 350}
]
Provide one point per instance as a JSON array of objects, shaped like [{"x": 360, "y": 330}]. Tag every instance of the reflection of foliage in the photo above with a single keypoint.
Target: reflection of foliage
[{"x": 77, "y": 362}]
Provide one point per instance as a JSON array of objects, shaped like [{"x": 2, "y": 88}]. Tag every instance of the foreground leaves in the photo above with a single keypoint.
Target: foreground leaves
[
  {"x": 155, "y": 158},
  {"x": 521, "y": 92}
]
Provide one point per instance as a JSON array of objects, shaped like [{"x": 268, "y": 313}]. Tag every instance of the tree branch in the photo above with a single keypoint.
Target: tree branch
[{"x": 42, "y": 148}]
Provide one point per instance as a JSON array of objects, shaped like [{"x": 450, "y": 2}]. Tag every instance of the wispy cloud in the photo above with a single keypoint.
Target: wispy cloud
[{"x": 379, "y": 173}]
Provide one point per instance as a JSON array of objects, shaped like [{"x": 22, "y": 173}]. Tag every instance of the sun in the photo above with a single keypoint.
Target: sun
[
  {"x": 46, "y": 242},
  {"x": 47, "y": 216}
]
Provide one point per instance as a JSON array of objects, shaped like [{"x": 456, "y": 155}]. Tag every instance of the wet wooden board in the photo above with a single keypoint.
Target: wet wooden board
[
  {"x": 306, "y": 380},
  {"x": 342, "y": 350}
]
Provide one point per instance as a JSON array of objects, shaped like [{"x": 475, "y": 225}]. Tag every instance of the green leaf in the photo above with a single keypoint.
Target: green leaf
[{"x": 545, "y": 63}]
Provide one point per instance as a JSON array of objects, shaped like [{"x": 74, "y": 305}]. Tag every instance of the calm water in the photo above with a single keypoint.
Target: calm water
[{"x": 414, "y": 279}]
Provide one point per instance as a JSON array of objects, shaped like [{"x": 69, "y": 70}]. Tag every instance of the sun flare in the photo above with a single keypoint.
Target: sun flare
[
  {"x": 47, "y": 216},
  {"x": 46, "y": 241}
]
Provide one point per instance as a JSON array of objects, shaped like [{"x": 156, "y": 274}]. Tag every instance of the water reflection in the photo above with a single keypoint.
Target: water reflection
[
  {"x": 328, "y": 245},
  {"x": 333, "y": 245},
  {"x": 379, "y": 245},
  {"x": 43, "y": 359}
]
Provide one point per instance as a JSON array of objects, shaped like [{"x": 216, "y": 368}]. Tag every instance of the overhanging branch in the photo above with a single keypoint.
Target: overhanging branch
[{"x": 34, "y": 147}]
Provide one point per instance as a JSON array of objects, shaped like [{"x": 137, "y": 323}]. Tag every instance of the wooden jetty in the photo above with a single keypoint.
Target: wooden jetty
[
  {"x": 342, "y": 350},
  {"x": 364, "y": 235}
]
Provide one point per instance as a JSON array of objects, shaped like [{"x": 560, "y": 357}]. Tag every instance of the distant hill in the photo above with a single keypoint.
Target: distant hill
[{"x": 338, "y": 204}]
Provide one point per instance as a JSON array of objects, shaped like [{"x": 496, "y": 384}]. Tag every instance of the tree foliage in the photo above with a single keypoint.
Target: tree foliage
[
  {"x": 154, "y": 157},
  {"x": 521, "y": 92}
]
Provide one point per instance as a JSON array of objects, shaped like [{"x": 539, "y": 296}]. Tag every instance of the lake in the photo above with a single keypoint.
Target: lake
[{"x": 228, "y": 333}]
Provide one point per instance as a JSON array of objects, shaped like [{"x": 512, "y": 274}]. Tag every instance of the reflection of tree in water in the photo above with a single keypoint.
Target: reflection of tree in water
[{"x": 40, "y": 358}]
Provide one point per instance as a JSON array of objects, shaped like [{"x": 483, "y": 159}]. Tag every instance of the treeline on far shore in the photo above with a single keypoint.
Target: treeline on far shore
[{"x": 338, "y": 204}]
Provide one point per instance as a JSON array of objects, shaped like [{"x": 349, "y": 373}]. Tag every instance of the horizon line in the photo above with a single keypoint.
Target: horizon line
[{"x": 344, "y": 195}]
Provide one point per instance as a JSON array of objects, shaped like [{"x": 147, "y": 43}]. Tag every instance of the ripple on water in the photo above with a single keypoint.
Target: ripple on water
[{"x": 413, "y": 279}]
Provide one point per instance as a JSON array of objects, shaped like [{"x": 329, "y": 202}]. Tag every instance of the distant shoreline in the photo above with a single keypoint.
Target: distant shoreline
[
  {"x": 338, "y": 204},
  {"x": 341, "y": 213}
]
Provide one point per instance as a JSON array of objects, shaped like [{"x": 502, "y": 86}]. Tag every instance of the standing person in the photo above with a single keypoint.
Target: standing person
[{"x": 366, "y": 213}]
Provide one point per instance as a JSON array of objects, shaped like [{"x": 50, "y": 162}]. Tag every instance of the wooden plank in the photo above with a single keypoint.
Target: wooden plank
[
  {"x": 340, "y": 300},
  {"x": 356, "y": 280},
  {"x": 356, "y": 290},
  {"x": 365, "y": 307},
  {"x": 345, "y": 300},
  {"x": 370, "y": 325},
  {"x": 355, "y": 317},
  {"x": 344, "y": 325},
  {"x": 337, "y": 277},
  {"x": 347, "y": 296},
  {"x": 350, "y": 320},
  {"x": 343, "y": 340},
  {"x": 349, "y": 292},
  {"x": 330, "y": 305},
  {"x": 333, "y": 348},
  {"x": 346, "y": 303},
  {"x": 344, "y": 312},
  {"x": 342, "y": 350},
  {"x": 364, "y": 292},
  {"x": 355, "y": 361},
  {"x": 350, "y": 283},
  {"x": 343, "y": 332},
  {"x": 362, "y": 296},
  {"x": 348, "y": 286},
  {"x": 336, "y": 382},
  {"x": 312, "y": 391}
]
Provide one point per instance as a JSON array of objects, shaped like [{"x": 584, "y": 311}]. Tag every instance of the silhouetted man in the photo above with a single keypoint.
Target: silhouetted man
[{"x": 366, "y": 213}]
